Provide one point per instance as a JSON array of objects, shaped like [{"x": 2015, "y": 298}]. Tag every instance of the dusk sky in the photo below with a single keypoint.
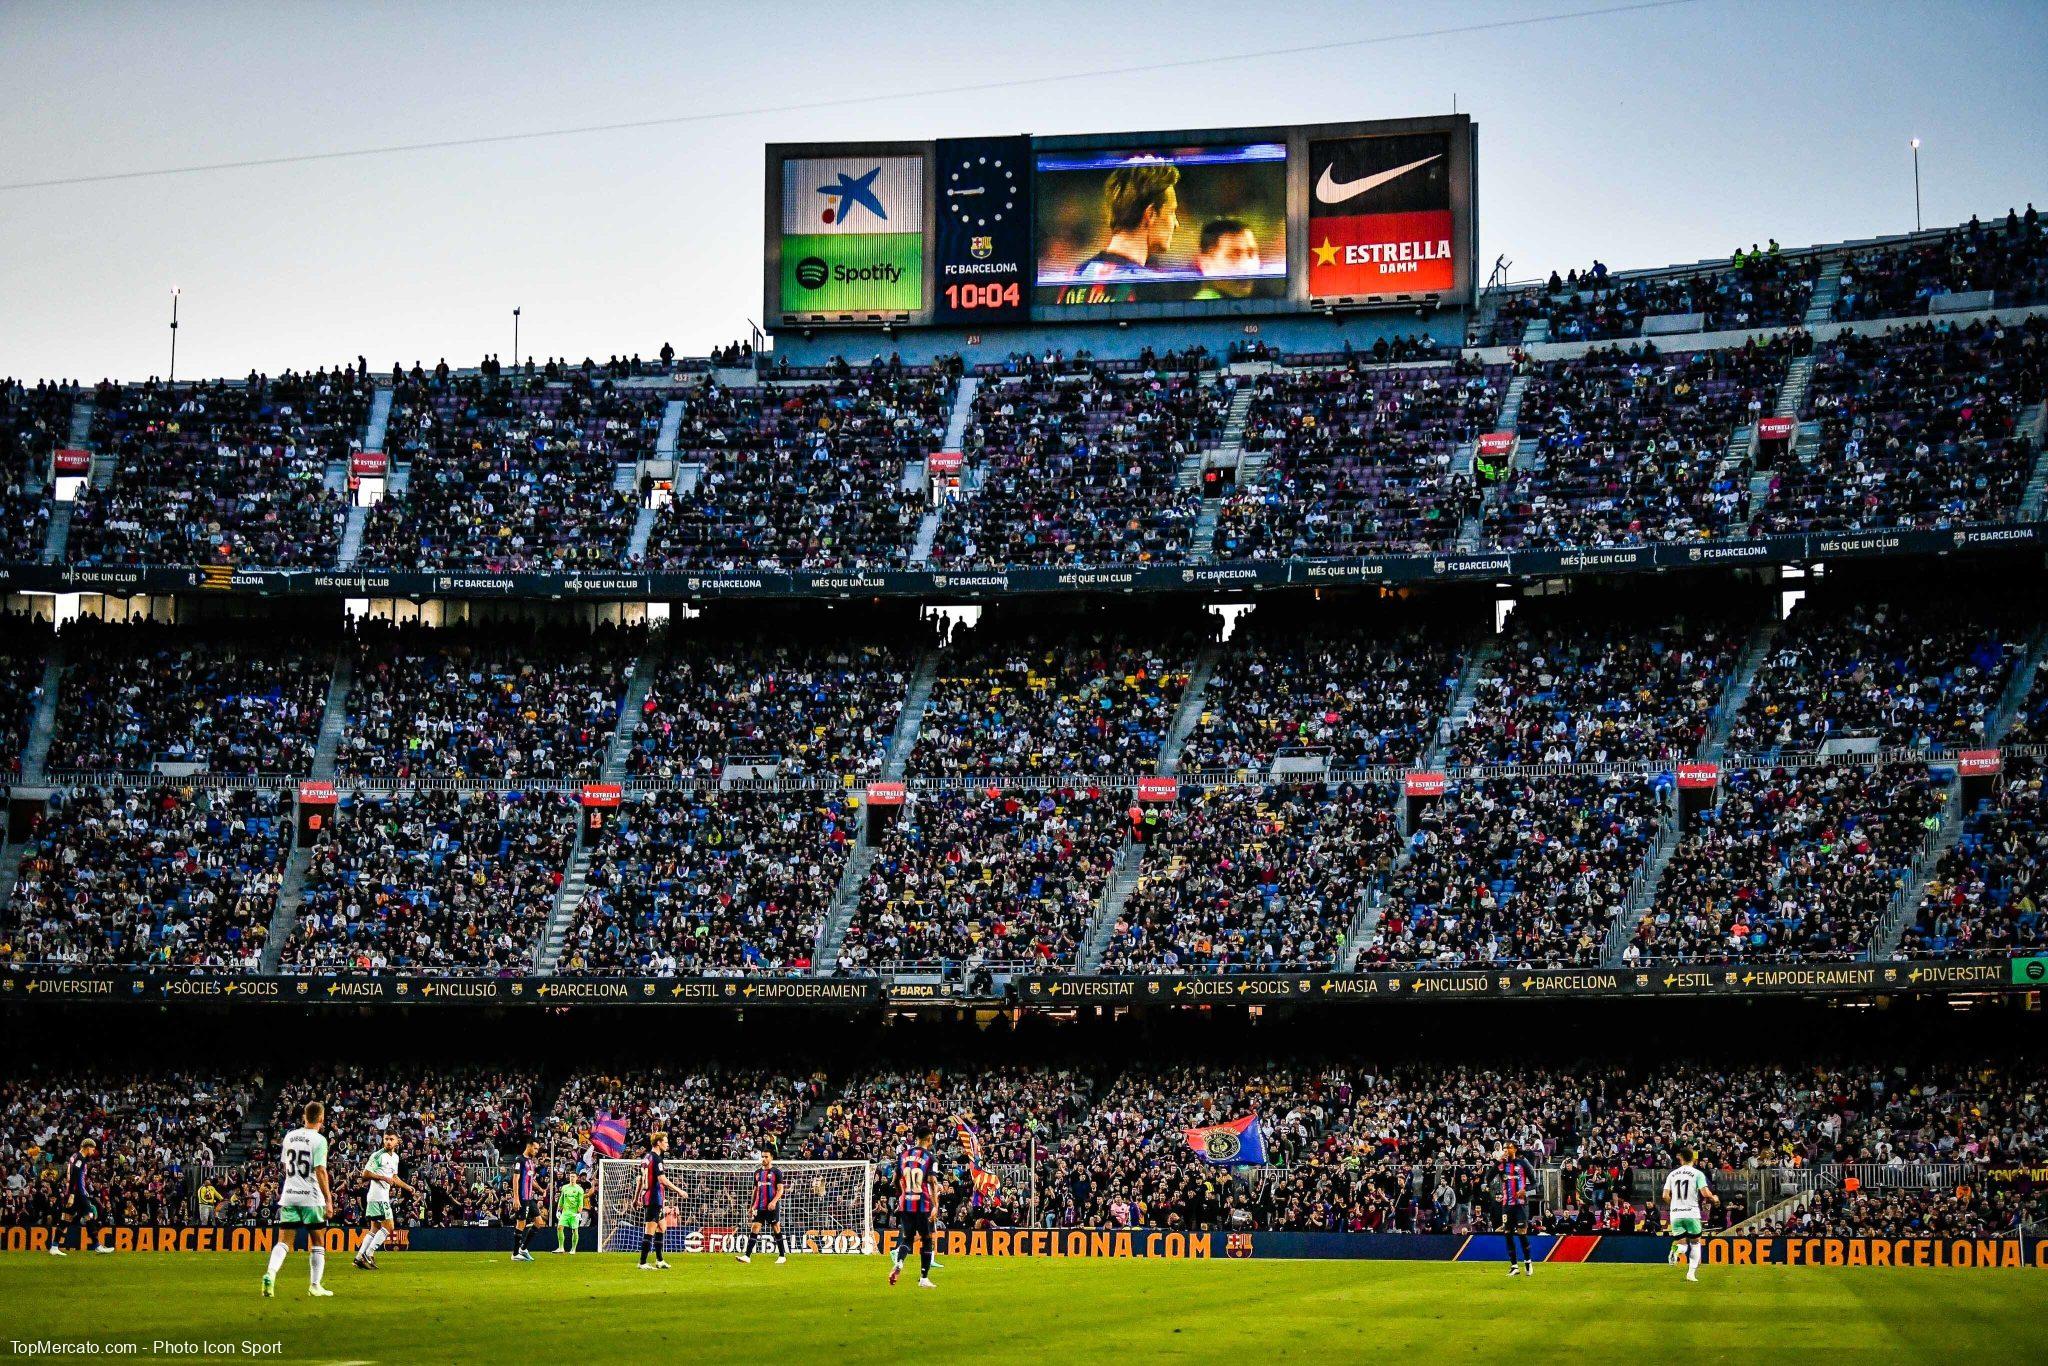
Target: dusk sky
[{"x": 1639, "y": 137}]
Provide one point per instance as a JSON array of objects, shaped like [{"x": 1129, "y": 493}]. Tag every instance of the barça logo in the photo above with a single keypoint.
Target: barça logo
[
  {"x": 982, "y": 247},
  {"x": 1222, "y": 1145},
  {"x": 1238, "y": 1245}
]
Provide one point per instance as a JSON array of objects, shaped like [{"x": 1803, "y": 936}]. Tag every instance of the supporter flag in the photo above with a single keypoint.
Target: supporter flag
[
  {"x": 1240, "y": 1143},
  {"x": 985, "y": 1181},
  {"x": 608, "y": 1135}
]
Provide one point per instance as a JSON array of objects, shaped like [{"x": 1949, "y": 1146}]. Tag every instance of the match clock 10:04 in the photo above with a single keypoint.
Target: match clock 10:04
[{"x": 982, "y": 212}]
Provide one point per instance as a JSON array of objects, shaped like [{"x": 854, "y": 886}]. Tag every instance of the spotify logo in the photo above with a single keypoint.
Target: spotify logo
[{"x": 810, "y": 272}]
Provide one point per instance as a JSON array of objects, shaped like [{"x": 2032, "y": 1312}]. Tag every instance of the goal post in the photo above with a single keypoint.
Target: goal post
[{"x": 826, "y": 1206}]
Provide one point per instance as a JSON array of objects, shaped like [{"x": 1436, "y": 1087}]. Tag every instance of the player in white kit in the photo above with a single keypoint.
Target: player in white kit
[
  {"x": 380, "y": 1174},
  {"x": 304, "y": 1199},
  {"x": 1685, "y": 1190}
]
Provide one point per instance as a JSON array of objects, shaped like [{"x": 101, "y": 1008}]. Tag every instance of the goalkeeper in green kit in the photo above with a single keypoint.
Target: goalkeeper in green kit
[{"x": 569, "y": 1215}]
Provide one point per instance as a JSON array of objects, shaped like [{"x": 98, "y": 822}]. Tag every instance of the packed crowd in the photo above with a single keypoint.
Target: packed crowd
[
  {"x": 1919, "y": 427},
  {"x": 157, "y": 876},
  {"x": 246, "y": 474},
  {"x": 34, "y": 424},
  {"x": 1985, "y": 894},
  {"x": 153, "y": 1134},
  {"x": 1799, "y": 863},
  {"x": 1356, "y": 461},
  {"x": 230, "y": 698},
  {"x": 1018, "y": 698},
  {"x": 1631, "y": 446},
  {"x": 514, "y": 475},
  {"x": 1082, "y": 469},
  {"x": 1254, "y": 880},
  {"x": 2009, "y": 259},
  {"x": 736, "y": 695},
  {"x": 1926, "y": 672},
  {"x": 426, "y": 881},
  {"x": 971, "y": 875},
  {"x": 1311, "y": 689},
  {"x": 1594, "y": 680},
  {"x": 802, "y": 478},
  {"x": 24, "y": 648},
  {"x": 1761, "y": 289},
  {"x": 873, "y": 1114},
  {"x": 708, "y": 1112},
  {"x": 509, "y": 701},
  {"x": 1526, "y": 872},
  {"x": 709, "y": 883}
]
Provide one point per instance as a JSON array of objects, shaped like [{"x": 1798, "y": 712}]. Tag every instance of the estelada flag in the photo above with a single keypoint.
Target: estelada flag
[
  {"x": 608, "y": 1135},
  {"x": 985, "y": 1182},
  {"x": 1240, "y": 1143}
]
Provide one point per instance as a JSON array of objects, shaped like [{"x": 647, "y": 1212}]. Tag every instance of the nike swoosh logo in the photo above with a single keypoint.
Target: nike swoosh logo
[{"x": 1330, "y": 190}]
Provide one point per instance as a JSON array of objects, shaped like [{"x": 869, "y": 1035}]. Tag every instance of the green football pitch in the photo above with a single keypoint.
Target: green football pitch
[{"x": 460, "y": 1307}]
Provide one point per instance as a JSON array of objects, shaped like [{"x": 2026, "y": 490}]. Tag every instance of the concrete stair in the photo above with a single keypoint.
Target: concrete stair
[
  {"x": 351, "y": 548},
  {"x": 103, "y": 467},
  {"x": 927, "y": 536},
  {"x": 1230, "y": 453},
  {"x": 57, "y": 535},
  {"x": 2035, "y": 420},
  {"x": 81, "y": 422},
  {"x": 42, "y": 726},
  {"x": 334, "y": 479},
  {"x": 671, "y": 428},
  {"x": 861, "y": 857},
  {"x": 547, "y": 948},
  {"x": 1189, "y": 712},
  {"x": 1820, "y": 310},
  {"x": 1743, "y": 678},
  {"x": 379, "y": 420},
  {"x": 244, "y": 1144},
  {"x": 1477, "y": 665},
  {"x": 291, "y": 891},
  {"x": 625, "y": 477},
  {"x": 1471, "y": 534},
  {"x": 1905, "y": 903},
  {"x": 962, "y": 414},
  {"x": 643, "y": 529}
]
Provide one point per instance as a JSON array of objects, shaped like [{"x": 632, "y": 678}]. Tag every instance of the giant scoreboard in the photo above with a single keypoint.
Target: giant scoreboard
[{"x": 1021, "y": 229}]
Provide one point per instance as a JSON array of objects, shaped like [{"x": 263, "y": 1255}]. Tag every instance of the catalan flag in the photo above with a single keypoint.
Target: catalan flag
[
  {"x": 986, "y": 1183},
  {"x": 608, "y": 1134}
]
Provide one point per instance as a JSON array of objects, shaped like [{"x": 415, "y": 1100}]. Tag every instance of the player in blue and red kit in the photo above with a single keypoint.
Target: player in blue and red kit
[
  {"x": 652, "y": 1184},
  {"x": 526, "y": 1194},
  {"x": 917, "y": 1199},
  {"x": 81, "y": 1199},
  {"x": 767, "y": 1218},
  {"x": 1517, "y": 1185}
]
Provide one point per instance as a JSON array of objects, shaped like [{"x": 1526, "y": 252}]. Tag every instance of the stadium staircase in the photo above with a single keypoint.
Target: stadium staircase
[
  {"x": 1130, "y": 859},
  {"x": 671, "y": 429},
  {"x": 42, "y": 725},
  {"x": 1905, "y": 902},
  {"x": 246, "y": 1143},
  {"x": 1229, "y": 454},
  {"x": 861, "y": 857},
  {"x": 547, "y": 949},
  {"x": 643, "y": 528},
  {"x": 1366, "y": 920},
  {"x": 1756, "y": 1224},
  {"x": 1791, "y": 398},
  {"x": 2035, "y": 420},
  {"x": 380, "y": 420},
  {"x": 291, "y": 889},
  {"x": 57, "y": 535},
  {"x": 956, "y": 432},
  {"x": 81, "y": 422},
  {"x": 1827, "y": 287},
  {"x": 1509, "y": 420},
  {"x": 1642, "y": 893},
  {"x": 334, "y": 479}
]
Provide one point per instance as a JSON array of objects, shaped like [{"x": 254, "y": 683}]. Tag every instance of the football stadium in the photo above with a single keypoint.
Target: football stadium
[{"x": 1172, "y": 755}]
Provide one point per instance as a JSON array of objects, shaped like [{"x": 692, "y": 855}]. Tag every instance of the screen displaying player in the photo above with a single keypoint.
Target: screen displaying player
[{"x": 1145, "y": 225}]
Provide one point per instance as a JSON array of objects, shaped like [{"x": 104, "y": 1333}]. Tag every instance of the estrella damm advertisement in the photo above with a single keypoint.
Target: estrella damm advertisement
[{"x": 852, "y": 234}]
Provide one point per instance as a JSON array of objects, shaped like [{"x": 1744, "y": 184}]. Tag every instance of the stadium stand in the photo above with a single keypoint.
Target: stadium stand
[
  {"x": 34, "y": 423},
  {"x": 24, "y": 648},
  {"x": 448, "y": 883},
  {"x": 1985, "y": 894},
  {"x": 221, "y": 473},
  {"x": 1918, "y": 428},
  {"x": 508, "y": 701},
  {"x": 802, "y": 478},
  {"x": 1761, "y": 289},
  {"x": 158, "y": 876},
  {"x": 232, "y": 699},
  {"x": 2009, "y": 260},
  {"x": 708, "y": 1112},
  {"x": 511, "y": 475},
  {"x": 1357, "y": 461},
  {"x": 1082, "y": 469},
  {"x": 709, "y": 883}
]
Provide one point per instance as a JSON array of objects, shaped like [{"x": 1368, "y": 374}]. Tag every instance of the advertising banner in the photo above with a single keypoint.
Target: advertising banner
[
  {"x": 1158, "y": 789},
  {"x": 982, "y": 241},
  {"x": 853, "y": 234},
  {"x": 1162, "y": 224},
  {"x": 72, "y": 460},
  {"x": 368, "y": 464},
  {"x": 1379, "y": 216}
]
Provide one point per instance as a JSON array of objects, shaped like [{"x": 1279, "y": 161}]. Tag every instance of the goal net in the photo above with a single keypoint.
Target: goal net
[{"x": 826, "y": 1206}]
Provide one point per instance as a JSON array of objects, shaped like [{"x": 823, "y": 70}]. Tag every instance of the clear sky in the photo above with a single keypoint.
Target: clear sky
[{"x": 1642, "y": 138}]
